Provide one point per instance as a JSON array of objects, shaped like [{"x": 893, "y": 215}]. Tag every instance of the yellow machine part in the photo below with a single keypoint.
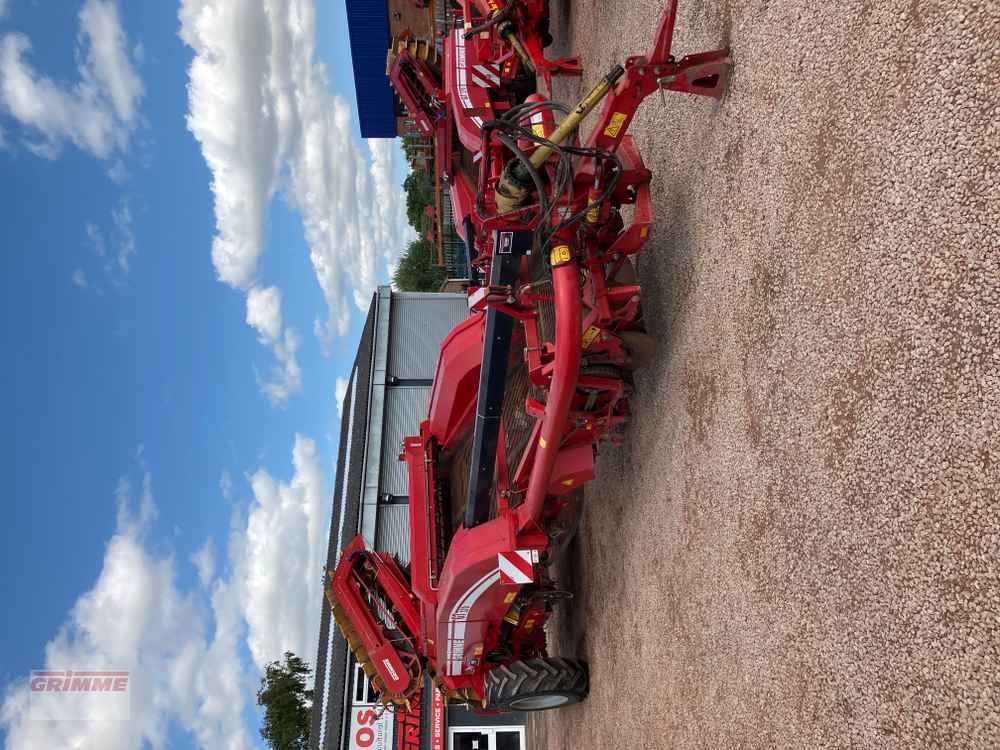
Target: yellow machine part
[
  {"x": 357, "y": 648},
  {"x": 419, "y": 48}
]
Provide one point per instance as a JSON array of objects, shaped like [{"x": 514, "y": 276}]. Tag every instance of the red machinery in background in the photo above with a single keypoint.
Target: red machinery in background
[
  {"x": 525, "y": 390},
  {"x": 487, "y": 66},
  {"x": 524, "y": 25}
]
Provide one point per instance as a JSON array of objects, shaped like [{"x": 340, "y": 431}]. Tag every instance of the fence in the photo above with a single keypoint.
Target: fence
[{"x": 456, "y": 257}]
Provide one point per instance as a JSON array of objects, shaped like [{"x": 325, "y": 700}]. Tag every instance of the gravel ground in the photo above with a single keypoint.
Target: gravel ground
[{"x": 798, "y": 544}]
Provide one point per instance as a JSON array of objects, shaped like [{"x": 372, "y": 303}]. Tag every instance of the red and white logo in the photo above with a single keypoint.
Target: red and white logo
[
  {"x": 517, "y": 567},
  {"x": 75, "y": 695},
  {"x": 391, "y": 669}
]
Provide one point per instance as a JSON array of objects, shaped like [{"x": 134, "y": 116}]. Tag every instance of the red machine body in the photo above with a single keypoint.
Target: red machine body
[
  {"x": 489, "y": 64},
  {"x": 525, "y": 390}
]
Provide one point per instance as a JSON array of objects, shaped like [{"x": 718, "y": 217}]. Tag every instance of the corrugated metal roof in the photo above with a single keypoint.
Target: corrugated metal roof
[
  {"x": 419, "y": 324},
  {"x": 393, "y": 533},
  {"x": 405, "y": 409},
  {"x": 368, "y": 24}
]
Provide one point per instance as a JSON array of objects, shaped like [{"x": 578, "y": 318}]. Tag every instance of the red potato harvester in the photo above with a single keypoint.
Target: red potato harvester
[{"x": 525, "y": 390}]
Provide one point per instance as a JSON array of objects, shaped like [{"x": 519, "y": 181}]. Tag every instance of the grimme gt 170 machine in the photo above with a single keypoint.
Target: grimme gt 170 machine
[{"x": 525, "y": 389}]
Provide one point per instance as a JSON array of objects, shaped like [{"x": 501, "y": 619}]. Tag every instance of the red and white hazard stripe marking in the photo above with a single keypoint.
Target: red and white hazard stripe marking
[
  {"x": 463, "y": 86},
  {"x": 517, "y": 567},
  {"x": 486, "y": 75}
]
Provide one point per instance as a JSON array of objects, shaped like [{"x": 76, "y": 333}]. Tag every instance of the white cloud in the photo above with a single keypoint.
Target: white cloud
[
  {"x": 264, "y": 311},
  {"x": 118, "y": 172},
  {"x": 116, "y": 247},
  {"x": 79, "y": 278},
  {"x": 183, "y": 647},
  {"x": 136, "y": 618},
  {"x": 264, "y": 316},
  {"x": 4, "y": 9},
  {"x": 97, "y": 113},
  {"x": 278, "y": 561},
  {"x": 285, "y": 378},
  {"x": 226, "y": 485},
  {"x": 204, "y": 562},
  {"x": 109, "y": 68},
  {"x": 96, "y": 239},
  {"x": 340, "y": 392},
  {"x": 263, "y": 111},
  {"x": 122, "y": 217}
]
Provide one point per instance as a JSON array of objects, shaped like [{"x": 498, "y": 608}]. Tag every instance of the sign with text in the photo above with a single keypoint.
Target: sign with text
[
  {"x": 408, "y": 726},
  {"x": 370, "y": 730},
  {"x": 437, "y": 720}
]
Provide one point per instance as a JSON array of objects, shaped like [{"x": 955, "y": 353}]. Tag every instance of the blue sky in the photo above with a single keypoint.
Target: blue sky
[{"x": 192, "y": 226}]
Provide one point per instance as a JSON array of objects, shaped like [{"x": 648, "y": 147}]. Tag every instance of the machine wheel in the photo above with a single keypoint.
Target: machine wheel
[{"x": 537, "y": 684}]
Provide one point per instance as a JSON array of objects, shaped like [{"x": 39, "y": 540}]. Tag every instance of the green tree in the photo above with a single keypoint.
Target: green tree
[
  {"x": 419, "y": 194},
  {"x": 417, "y": 271},
  {"x": 286, "y": 703}
]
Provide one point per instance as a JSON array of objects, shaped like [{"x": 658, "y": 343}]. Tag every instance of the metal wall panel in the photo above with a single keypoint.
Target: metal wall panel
[
  {"x": 419, "y": 324},
  {"x": 376, "y": 410},
  {"x": 405, "y": 409},
  {"x": 393, "y": 534}
]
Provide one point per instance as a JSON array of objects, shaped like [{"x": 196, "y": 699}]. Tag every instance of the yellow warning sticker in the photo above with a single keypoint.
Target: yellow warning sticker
[
  {"x": 538, "y": 129},
  {"x": 510, "y": 597},
  {"x": 617, "y": 120},
  {"x": 588, "y": 336},
  {"x": 541, "y": 441},
  {"x": 560, "y": 254},
  {"x": 567, "y": 482},
  {"x": 644, "y": 232},
  {"x": 593, "y": 214}
]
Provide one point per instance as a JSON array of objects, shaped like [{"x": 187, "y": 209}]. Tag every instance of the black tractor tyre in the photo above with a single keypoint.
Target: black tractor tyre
[{"x": 537, "y": 684}]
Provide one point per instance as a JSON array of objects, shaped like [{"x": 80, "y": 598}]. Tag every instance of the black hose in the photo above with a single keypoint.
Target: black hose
[
  {"x": 536, "y": 177},
  {"x": 509, "y": 130},
  {"x": 492, "y": 21}
]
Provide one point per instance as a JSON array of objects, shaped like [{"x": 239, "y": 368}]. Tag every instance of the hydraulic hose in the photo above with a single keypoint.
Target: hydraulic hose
[
  {"x": 492, "y": 21},
  {"x": 560, "y": 396}
]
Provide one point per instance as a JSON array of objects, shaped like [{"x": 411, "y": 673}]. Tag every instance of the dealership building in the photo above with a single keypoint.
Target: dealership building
[{"x": 387, "y": 398}]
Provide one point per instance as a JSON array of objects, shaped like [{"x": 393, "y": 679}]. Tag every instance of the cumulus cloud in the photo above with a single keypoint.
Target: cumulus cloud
[
  {"x": 285, "y": 377},
  {"x": 264, "y": 316},
  {"x": 97, "y": 113},
  {"x": 183, "y": 647},
  {"x": 264, "y": 311},
  {"x": 278, "y": 561},
  {"x": 262, "y": 109},
  {"x": 136, "y": 618}
]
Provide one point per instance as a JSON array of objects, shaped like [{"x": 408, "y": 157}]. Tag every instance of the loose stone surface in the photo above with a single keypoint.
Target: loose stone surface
[{"x": 799, "y": 543}]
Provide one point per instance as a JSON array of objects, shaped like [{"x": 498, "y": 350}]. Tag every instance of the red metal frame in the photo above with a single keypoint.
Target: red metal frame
[{"x": 458, "y": 613}]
